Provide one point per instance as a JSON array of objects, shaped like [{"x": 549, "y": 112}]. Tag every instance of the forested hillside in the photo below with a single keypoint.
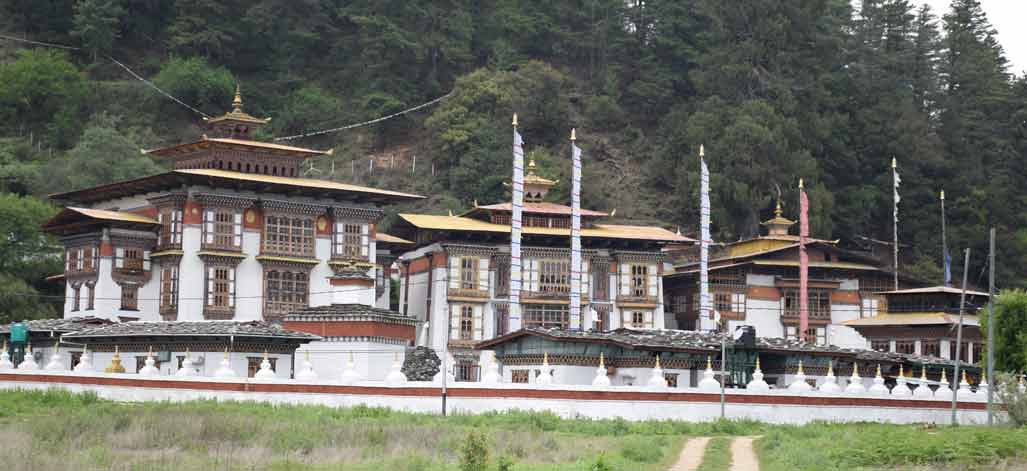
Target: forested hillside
[{"x": 775, "y": 89}]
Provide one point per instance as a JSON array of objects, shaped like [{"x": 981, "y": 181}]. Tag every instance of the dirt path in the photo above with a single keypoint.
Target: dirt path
[
  {"x": 691, "y": 454},
  {"x": 743, "y": 456}
]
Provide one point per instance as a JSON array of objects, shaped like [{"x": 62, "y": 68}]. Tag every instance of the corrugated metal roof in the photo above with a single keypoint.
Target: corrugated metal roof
[
  {"x": 839, "y": 265},
  {"x": 170, "y": 150},
  {"x": 293, "y": 181},
  {"x": 913, "y": 318},
  {"x": 118, "y": 216},
  {"x": 613, "y": 231},
  {"x": 935, "y": 289},
  {"x": 540, "y": 208},
  {"x": 192, "y": 329},
  {"x": 390, "y": 239}
]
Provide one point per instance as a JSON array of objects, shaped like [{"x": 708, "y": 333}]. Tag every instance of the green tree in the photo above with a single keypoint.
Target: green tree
[
  {"x": 1010, "y": 329},
  {"x": 103, "y": 155},
  {"x": 208, "y": 28},
  {"x": 19, "y": 301},
  {"x": 195, "y": 82},
  {"x": 97, "y": 24},
  {"x": 42, "y": 91}
]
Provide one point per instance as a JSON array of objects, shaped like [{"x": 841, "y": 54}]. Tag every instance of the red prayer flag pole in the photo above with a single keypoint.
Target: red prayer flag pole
[{"x": 803, "y": 262}]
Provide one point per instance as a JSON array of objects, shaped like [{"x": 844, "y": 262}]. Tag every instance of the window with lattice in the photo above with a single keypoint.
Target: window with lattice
[
  {"x": 639, "y": 281},
  {"x": 289, "y": 235},
  {"x": 546, "y": 315},
  {"x": 286, "y": 291},
  {"x": 222, "y": 229},
  {"x": 170, "y": 227},
  {"x": 169, "y": 288},
  {"x": 351, "y": 240},
  {"x": 554, "y": 277},
  {"x": 130, "y": 297}
]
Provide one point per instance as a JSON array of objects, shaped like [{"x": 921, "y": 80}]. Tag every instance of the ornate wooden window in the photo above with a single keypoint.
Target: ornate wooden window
[
  {"x": 905, "y": 346},
  {"x": 870, "y": 306},
  {"x": 637, "y": 319},
  {"x": 130, "y": 297},
  {"x": 817, "y": 335},
  {"x": 169, "y": 289},
  {"x": 672, "y": 379},
  {"x": 819, "y": 303},
  {"x": 285, "y": 291},
  {"x": 220, "y": 295},
  {"x": 502, "y": 264},
  {"x": 727, "y": 302},
  {"x": 81, "y": 260},
  {"x": 351, "y": 240},
  {"x": 468, "y": 273},
  {"x": 74, "y": 260},
  {"x": 253, "y": 365},
  {"x": 601, "y": 279},
  {"x": 289, "y": 235},
  {"x": 602, "y": 317},
  {"x": 75, "y": 292},
  {"x": 466, "y": 371},
  {"x": 546, "y": 315},
  {"x": 466, "y": 323},
  {"x": 639, "y": 281},
  {"x": 880, "y": 345},
  {"x": 170, "y": 220},
  {"x": 90, "y": 295},
  {"x": 222, "y": 229},
  {"x": 554, "y": 277},
  {"x": 520, "y": 376},
  {"x": 930, "y": 348}
]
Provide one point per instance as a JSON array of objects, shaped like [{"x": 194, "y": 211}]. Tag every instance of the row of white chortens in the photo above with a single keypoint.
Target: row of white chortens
[{"x": 920, "y": 387}]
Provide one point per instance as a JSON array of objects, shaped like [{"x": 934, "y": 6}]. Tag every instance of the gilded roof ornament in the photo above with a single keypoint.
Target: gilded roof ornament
[{"x": 237, "y": 102}]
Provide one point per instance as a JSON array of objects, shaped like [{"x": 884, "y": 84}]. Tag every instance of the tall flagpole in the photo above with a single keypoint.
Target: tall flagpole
[
  {"x": 991, "y": 323},
  {"x": 706, "y": 320},
  {"x": 803, "y": 263},
  {"x": 576, "y": 318},
  {"x": 895, "y": 220},
  {"x": 959, "y": 337},
  {"x": 946, "y": 260},
  {"x": 515, "y": 229}
]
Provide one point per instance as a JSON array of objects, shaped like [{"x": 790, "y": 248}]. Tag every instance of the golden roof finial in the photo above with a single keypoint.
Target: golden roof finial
[
  {"x": 545, "y": 358},
  {"x": 830, "y": 367},
  {"x": 894, "y": 163},
  {"x": 574, "y": 135},
  {"x": 709, "y": 362},
  {"x": 602, "y": 364},
  {"x": 778, "y": 212},
  {"x": 658, "y": 363},
  {"x": 531, "y": 165},
  {"x": 878, "y": 370},
  {"x": 943, "y": 195},
  {"x": 944, "y": 376},
  {"x": 923, "y": 373},
  {"x": 800, "y": 184},
  {"x": 702, "y": 151},
  {"x": 757, "y": 362},
  {"x": 800, "y": 369},
  {"x": 237, "y": 102},
  {"x": 515, "y": 120}
]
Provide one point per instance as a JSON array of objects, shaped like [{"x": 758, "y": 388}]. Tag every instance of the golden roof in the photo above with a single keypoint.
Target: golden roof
[
  {"x": 539, "y": 208},
  {"x": 237, "y": 113},
  {"x": 116, "y": 216},
  {"x": 913, "y": 318},
  {"x": 171, "y": 150},
  {"x": 293, "y": 181},
  {"x": 533, "y": 179},
  {"x": 778, "y": 218},
  {"x": 838, "y": 265},
  {"x": 612, "y": 231},
  {"x": 935, "y": 289},
  {"x": 390, "y": 239}
]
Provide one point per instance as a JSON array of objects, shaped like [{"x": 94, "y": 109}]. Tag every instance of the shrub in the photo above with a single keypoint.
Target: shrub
[
  {"x": 640, "y": 450},
  {"x": 195, "y": 82},
  {"x": 1007, "y": 392},
  {"x": 474, "y": 454},
  {"x": 600, "y": 464}
]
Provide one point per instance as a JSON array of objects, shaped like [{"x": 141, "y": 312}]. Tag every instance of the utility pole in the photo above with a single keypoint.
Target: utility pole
[
  {"x": 991, "y": 323},
  {"x": 723, "y": 371},
  {"x": 959, "y": 336}
]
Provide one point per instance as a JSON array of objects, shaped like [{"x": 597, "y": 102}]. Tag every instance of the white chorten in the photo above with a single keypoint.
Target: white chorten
[
  {"x": 601, "y": 378},
  {"x": 188, "y": 368},
  {"x": 799, "y": 384},
  {"x": 855, "y": 385},
  {"x": 830, "y": 384},
  {"x": 982, "y": 387},
  {"x": 396, "y": 376},
  {"x": 56, "y": 362},
  {"x": 150, "y": 368},
  {"x": 656, "y": 379},
  {"x": 491, "y": 369},
  {"x": 85, "y": 364},
  {"x": 545, "y": 375},
  {"x": 964, "y": 391},
  {"x": 349, "y": 373},
  {"x": 878, "y": 388},
  {"x": 709, "y": 380},
  {"x": 757, "y": 383},
  {"x": 901, "y": 389},
  {"x": 225, "y": 368},
  {"x": 29, "y": 363},
  {"x": 923, "y": 390},
  {"x": 943, "y": 391},
  {"x": 5, "y": 359},
  {"x": 265, "y": 372},
  {"x": 306, "y": 372}
]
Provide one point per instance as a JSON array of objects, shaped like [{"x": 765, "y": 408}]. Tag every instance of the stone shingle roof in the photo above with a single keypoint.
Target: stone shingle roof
[
  {"x": 687, "y": 340},
  {"x": 71, "y": 324},
  {"x": 195, "y": 329},
  {"x": 349, "y": 312}
]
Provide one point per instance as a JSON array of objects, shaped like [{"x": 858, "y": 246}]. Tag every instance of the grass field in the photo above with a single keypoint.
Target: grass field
[{"x": 57, "y": 431}]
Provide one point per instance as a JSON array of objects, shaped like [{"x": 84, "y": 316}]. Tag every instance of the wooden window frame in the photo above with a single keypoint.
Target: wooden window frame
[
  {"x": 129, "y": 297},
  {"x": 169, "y": 281},
  {"x": 630, "y": 319},
  {"x": 554, "y": 277},
  {"x": 219, "y": 291},
  {"x": 351, "y": 240},
  {"x": 549, "y": 315},
  {"x": 75, "y": 297},
  {"x": 819, "y": 303},
  {"x": 285, "y": 291},
  {"x": 520, "y": 376},
  {"x": 639, "y": 281},
  {"x": 469, "y": 273},
  {"x": 91, "y": 295},
  {"x": 289, "y": 235},
  {"x": 905, "y": 346},
  {"x": 876, "y": 343},
  {"x": 170, "y": 235},
  {"x": 222, "y": 229},
  {"x": 466, "y": 322}
]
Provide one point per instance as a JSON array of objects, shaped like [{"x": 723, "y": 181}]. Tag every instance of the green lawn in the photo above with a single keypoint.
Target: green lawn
[{"x": 56, "y": 430}]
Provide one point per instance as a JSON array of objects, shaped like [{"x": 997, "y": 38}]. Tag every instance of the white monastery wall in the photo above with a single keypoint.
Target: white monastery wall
[
  {"x": 191, "y": 287},
  {"x": 765, "y": 316},
  {"x": 320, "y": 285},
  {"x": 841, "y": 335}
]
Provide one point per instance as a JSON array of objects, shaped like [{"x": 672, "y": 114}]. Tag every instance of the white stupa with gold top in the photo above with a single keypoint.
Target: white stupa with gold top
[
  {"x": 225, "y": 368},
  {"x": 396, "y": 376},
  {"x": 830, "y": 384},
  {"x": 964, "y": 391},
  {"x": 855, "y": 386},
  {"x": 349, "y": 372},
  {"x": 656, "y": 379},
  {"x": 545, "y": 374},
  {"x": 5, "y": 359},
  {"x": 115, "y": 366},
  {"x": 306, "y": 372},
  {"x": 901, "y": 389},
  {"x": 56, "y": 362},
  {"x": 265, "y": 373},
  {"x": 709, "y": 378},
  {"x": 943, "y": 391},
  {"x": 150, "y": 366},
  {"x": 757, "y": 384},
  {"x": 878, "y": 388},
  {"x": 982, "y": 387},
  {"x": 799, "y": 384},
  {"x": 29, "y": 363},
  {"x": 188, "y": 368},
  {"x": 85, "y": 363},
  {"x": 491, "y": 369},
  {"x": 923, "y": 390},
  {"x": 602, "y": 378}
]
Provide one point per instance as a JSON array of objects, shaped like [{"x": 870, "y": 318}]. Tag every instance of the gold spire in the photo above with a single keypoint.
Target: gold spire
[
  {"x": 944, "y": 376},
  {"x": 964, "y": 377},
  {"x": 545, "y": 358},
  {"x": 574, "y": 136},
  {"x": 226, "y": 352},
  {"x": 894, "y": 163},
  {"x": 531, "y": 165},
  {"x": 150, "y": 351},
  {"x": 800, "y": 372},
  {"x": 757, "y": 362},
  {"x": 709, "y": 362},
  {"x": 515, "y": 120},
  {"x": 115, "y": 366},
  {"x": 265, "y": 353},
  {"x": 878, "y": 370},
  {"x": 602, "y": 364},
  {"x": 984, "y": 377},
  {"x": 658, "y": 363},
  {"x": 901, "y": 374},
  {"x": 28, "y": 348},
  {"x": 830, "y": 367},
  {"x": 237, "y": 102},
  {"x": 800, "y": 183},
  {"x": 778, "y": 212},
  {"x": 943, "y": 195},
  {"x": 923, "y": 373},
  {"x": 702, "y": 151}
]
